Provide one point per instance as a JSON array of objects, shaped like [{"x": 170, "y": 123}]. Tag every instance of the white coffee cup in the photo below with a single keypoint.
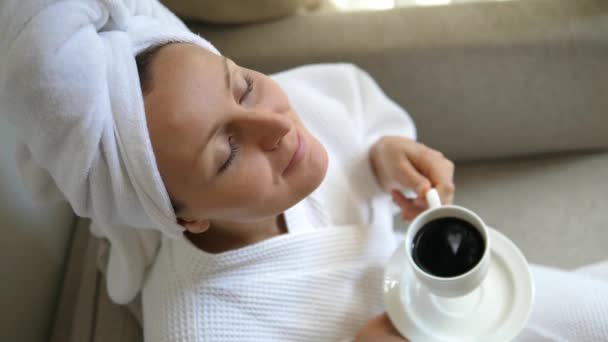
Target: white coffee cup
[{"x": 459, "y": 285}]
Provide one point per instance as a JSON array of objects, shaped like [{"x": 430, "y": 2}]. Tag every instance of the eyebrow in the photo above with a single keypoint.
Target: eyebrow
[
  {"x": 227, "y": 76},
  {"x": 228, "y": 83}
]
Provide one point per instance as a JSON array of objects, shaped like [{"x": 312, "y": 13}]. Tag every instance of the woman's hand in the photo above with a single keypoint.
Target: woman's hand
[
  {"x": 400, "y": 163},
  {"x": 379, "y": 329}
]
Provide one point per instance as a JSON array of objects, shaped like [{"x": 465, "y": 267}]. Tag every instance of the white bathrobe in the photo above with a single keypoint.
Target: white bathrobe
[
  {"x": 322, "y": 280},
  {"x": 319, "y": 282}
]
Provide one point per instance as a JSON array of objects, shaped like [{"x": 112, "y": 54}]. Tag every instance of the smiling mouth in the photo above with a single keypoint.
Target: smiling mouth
[{"x": 298, "y": 154}]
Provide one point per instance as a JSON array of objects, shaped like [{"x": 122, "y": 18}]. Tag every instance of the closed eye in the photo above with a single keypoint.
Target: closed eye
[
  {"x": 233, "y": 150},
  {"x": 248, "y": 90}
]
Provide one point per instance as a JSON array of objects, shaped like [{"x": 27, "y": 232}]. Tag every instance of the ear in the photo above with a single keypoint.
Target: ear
[{"x": 194, "y": 226}]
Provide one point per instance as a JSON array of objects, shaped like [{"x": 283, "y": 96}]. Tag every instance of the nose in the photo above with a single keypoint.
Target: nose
[{"x": 266, "y": 128}]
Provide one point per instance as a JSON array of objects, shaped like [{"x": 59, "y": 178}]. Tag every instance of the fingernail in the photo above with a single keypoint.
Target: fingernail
[
  {"x": 422, "y": 189},
  {"x": 420, "y": 203}
]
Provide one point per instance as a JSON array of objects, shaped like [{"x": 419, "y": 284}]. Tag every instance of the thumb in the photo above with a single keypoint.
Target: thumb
[{"x": 407, "y": 176}]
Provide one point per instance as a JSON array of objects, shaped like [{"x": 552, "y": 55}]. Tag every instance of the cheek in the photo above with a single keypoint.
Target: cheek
[
  {"x": 253, "y": 185},
  {"x": 249, "y": 188}
]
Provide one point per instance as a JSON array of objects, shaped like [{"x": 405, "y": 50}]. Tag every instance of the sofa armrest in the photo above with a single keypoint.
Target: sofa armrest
[
  {"x": 85, "y": 312},
  {"x": 481, "y": 80},
  {"x": 75, "y": 314}
]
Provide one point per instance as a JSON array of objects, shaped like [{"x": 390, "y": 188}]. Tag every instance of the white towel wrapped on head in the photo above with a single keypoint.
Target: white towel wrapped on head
[{"x": 69, "y": 84}]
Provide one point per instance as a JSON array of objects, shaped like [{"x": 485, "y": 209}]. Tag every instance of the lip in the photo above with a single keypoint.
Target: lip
[{"x": 297, "y": 156}]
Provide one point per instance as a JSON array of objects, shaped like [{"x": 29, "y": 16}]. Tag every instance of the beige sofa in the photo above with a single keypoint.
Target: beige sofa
[{"x": 514, "y": 92}]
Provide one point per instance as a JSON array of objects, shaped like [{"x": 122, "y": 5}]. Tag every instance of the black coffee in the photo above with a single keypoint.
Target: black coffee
[{"x": 447, "y": 247}]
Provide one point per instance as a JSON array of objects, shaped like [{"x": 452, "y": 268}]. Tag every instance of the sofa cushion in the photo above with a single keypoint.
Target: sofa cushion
[
  {"x": 481, "y": 80},
  {"x": 33, "y": 248},
  {"x": 237, "y": 11},
  {"x": 554, "y": 208}
]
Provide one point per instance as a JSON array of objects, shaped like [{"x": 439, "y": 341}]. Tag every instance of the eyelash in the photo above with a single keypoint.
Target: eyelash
[
  {"x": 249, "y": 82},
  {"x": 233, "y": 146},
  {"x": 233, "y": 149}
]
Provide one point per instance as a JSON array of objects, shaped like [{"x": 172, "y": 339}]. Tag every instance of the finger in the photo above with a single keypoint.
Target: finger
[
  {"x": 409, "y": 210},
  {"x": 445, "y": 185},
  {"x": 421, "y": 203},
  {"x": 407, "y": 176},
  {"x": 385, "y": 321},
  {"x": 402, "y": 200},
  {"x": 438, "y": 169},
  {"x": 446, "y": 192},
  {"x": 379, "y": 328},
  {"x": 410, "y": 213}
]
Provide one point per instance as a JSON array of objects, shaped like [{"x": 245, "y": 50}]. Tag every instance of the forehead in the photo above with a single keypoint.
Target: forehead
[
  {"x": 185, "y": 62},
  {"x": 185, "y": 78}
]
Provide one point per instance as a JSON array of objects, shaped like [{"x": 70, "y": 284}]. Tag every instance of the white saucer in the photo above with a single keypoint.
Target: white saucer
[{"x": 496, "y": 311}]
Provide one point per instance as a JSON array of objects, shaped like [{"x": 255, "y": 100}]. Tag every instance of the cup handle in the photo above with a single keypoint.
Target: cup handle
[{"x": 432, "y": 198}]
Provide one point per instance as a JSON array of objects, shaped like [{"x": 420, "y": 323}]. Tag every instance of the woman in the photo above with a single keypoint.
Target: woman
[
  {"x": 237, "y": 160},
  {"x": 245, "y": 171},
  {"x": 281, "y": 224}
]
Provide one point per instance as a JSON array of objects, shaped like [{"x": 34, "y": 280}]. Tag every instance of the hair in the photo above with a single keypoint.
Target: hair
[{"x": 144, "y": 61}]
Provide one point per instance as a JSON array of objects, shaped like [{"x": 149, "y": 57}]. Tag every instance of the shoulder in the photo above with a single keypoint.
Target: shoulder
[
  {"x": 341, "y": 82},
  {"x": 322, "y": 75},
  {"x": 320, "y": 70}
]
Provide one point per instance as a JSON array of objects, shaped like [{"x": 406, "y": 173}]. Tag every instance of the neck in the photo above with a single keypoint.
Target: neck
[{"x": 225, "y": 236}]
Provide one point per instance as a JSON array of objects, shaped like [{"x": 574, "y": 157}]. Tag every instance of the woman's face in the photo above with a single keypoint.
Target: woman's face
[{"x": 228, "y": 145}]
